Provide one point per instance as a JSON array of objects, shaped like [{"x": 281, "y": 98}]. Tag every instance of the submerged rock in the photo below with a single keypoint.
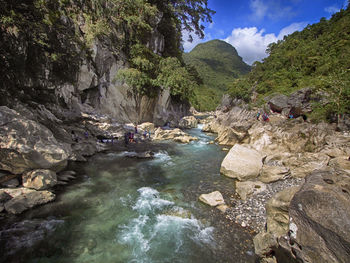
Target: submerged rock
[
  {"x": 242, "y": 163},
  {"x": 212, "y": 199},
  {"x": 23, "y": 199}
]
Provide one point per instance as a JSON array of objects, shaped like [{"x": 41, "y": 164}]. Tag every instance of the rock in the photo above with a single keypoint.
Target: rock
[
  {"x": 27, "y": 145},
  {"x": 263, "y": 242},
  {"x": 278, "y": 103},
  {"x": 222, "y": 208},
  {"x": 272, "y": 174},
  {"x": 229, "y": 136},
  {"x": 242, "y": 163},
  {"x": 277, "y": 211},
  {"x": 4, "y": 197},
  {"x": 212, "y": 199},
  {"x": 39, "y": 179},
  {"x": 66, "y": 176},
  {"x": 13, "y": 183},
  {"x": 225, "y": 149},
  {"x": 24, "y": 199},
  {"x": 188, "y": 122},
  {"x": 146, "y": 126},
  {"x": 141, "y": 155},
  {"x": 320, "y": 218},
  {"x": 249, "y": 187},
  {"x": 341, "y": 162},
  {"x": 175, "y": 134}
]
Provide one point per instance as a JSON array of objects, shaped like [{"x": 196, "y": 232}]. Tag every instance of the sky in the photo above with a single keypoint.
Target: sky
[{"x": 250, "y": 25}]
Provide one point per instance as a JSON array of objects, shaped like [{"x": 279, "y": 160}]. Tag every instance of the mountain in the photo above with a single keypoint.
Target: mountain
[{"x": 218, "y": 64}]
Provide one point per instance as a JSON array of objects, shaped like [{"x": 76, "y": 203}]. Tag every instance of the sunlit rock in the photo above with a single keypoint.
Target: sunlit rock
[
  {"x": 39, "y": 179},
  {"x": 212, "y": 199},
  {"x": 242, "y": 163}
]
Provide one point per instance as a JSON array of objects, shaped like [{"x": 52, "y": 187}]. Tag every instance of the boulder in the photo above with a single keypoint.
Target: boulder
[
  {"x": 23, "y": 199},
  {"x": 188, "y": 122},
  {"x": 242, "y": 163},
  {"x": 341, "y": 162},
  {"x": 175, "y": 134},
  {"x": 320, "y": 218},
  {"x": 263, "y": 242},
  {"x": 146, "y": 126},
  {"x": 249, "y": 187},
  {"x": 212, "y": 199},
  {"x": 229, "y": 136},
  {"x": 272, "y": 174},
  {"x": 39, "y": 179},
  {"x": 277, "y": 211},
  {"x": 26, "y": 145},
  {"x": 278, "y": 103},
  {"x": 13, "y": 183}
]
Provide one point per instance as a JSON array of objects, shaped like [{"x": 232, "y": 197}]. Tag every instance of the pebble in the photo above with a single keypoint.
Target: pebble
[{"x": 251, "y": 213}]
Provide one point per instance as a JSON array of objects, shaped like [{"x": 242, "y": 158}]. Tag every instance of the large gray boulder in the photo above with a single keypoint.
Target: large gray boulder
[
  {"x": 320, "y": 218},
  {"x": 242, "y": 163},
  {"x": 26, "y": 145},
  {"x": 40, "y": 179},
  {"x": 24, "y": 199},
  {"x": 188, "y": 122}
]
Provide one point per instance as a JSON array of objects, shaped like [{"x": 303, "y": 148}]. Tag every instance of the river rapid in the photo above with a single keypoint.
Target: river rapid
[{"x": 124, "y": 209}]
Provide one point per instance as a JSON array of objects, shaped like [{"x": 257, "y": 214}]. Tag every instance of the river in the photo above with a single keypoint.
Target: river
[{"x": 124, "y": 209}]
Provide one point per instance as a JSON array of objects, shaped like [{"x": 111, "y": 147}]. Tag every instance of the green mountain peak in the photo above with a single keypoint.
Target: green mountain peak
[{"x": 218, "y": 64}]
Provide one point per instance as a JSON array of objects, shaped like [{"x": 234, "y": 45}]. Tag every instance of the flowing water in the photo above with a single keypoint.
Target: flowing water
[{"x": 131, "y": 210}]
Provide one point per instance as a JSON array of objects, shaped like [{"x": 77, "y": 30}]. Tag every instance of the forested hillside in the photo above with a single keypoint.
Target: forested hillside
[
  {"x": 43, "y": 43},
  {"x": 218, "y": 64},
  {"x": 317, "y": 57}
]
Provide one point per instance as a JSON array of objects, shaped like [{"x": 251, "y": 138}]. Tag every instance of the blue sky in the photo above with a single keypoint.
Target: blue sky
[{"x": 250, "y": 25}]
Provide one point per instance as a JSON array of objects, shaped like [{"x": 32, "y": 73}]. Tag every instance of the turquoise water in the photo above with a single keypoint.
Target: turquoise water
[{"x": 131, "y": 210}]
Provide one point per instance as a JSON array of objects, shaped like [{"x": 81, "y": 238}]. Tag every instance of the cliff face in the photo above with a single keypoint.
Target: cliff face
[{"x": 69, "y": 77}]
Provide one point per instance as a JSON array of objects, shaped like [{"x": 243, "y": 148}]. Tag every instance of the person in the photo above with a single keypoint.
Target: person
[
  {"x": 290, "y": 116},
  {"x": 135, "y": 128},
  {"x": 131, "y": 137},
  {"x": 149, "y": 134},
  {"x": 145, "y": 134},
  {"x": 265, "y": 117},
  {"x": 258, "y": 115}
]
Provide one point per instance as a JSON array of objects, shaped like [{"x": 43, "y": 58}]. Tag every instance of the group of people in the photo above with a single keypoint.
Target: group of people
[
  {"x": 129, "y": 137},
  {"x": 265, "y": 116}
]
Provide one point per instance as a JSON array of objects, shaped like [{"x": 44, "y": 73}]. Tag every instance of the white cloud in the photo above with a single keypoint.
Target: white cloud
[
  {"x": 259, "y": 9},
  {"x": 272, "y": 9},
  {"x": 332, "y": 9},
  {"x": 251, "y": 43}
]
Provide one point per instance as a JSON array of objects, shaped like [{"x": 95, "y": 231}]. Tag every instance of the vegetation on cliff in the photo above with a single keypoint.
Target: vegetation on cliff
[
  {"x": 316, "y": 57},
  {"x": 218, "y": 64},
  {"x": 53, "y": 37}
]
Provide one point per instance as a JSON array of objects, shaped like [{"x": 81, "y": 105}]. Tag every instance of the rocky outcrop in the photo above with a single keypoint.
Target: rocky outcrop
[
  {"x": 188, "y": 122},
  {"x": 176, "y": 134},
  {"x": 23, "y": 199},
  {"x": 39, "y": 179},
  {"x": 297, "y": 104},
  {"x": 242, "y": 163},
  {"x": 320, "y": 218},
  {"x": 26, "y": 145}
]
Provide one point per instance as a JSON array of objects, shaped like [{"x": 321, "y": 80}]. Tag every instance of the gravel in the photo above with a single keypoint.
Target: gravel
[{"x": 251, "y": 213}]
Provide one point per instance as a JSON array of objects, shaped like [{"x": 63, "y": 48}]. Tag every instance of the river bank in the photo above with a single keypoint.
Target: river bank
[{"x": 101, "y": 205}]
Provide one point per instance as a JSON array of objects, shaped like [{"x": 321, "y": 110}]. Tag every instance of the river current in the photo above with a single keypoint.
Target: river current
[{"x": 131, "y": 210}]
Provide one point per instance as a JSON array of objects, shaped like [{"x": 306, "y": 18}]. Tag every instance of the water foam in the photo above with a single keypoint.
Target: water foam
[{"x": 161, "y": 227}]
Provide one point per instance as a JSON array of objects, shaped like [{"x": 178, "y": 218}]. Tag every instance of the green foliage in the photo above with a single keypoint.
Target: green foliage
[
  {"x": 218, "y": 64},
  {"x": 37, "y": 34},
  {"x": 316, "y": 57},
  {"x": 174, "y": 76}
]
